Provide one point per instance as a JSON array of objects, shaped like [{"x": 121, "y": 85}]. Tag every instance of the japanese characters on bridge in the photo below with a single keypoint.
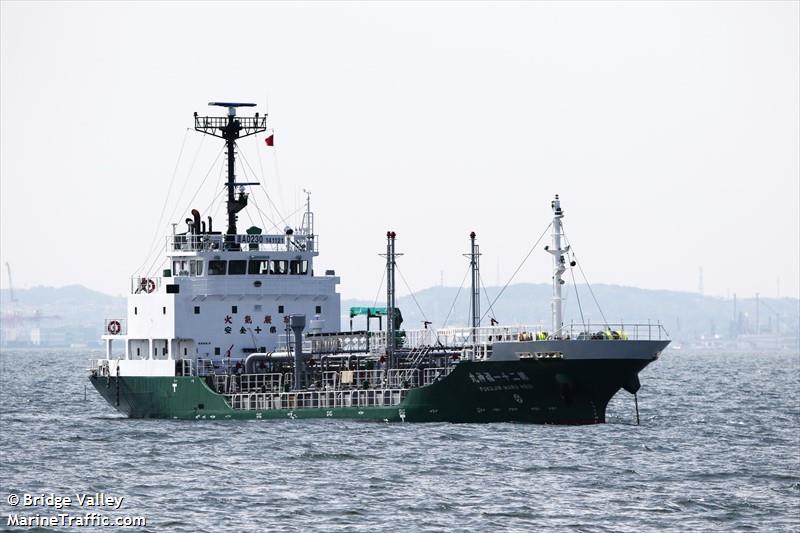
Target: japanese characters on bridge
[{"x": 251, "y": 323}]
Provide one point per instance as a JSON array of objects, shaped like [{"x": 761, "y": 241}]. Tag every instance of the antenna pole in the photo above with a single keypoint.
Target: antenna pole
[
  {"x": 475, "y": 296},
  {"x": 10, "y": 284},
  {"x": 559, "y": 265},
  {"x": 390, "y": 333}
]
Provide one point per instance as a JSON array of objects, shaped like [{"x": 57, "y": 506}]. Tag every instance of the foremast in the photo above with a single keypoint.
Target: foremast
[
  {"x": 232, "y": 128},
  {"x": 559, "y": 266},
  {"x": 475, "y": 295}
]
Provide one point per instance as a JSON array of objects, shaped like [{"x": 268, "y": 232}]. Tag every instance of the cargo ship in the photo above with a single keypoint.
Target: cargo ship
[{"x": 239, "y": 325}]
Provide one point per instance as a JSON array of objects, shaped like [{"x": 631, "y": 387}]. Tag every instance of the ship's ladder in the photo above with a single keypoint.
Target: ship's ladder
[{"x": 417, "y": 355}]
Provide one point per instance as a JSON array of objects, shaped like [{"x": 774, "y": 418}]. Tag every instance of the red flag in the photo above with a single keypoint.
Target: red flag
[{"x": 270, "y": 140}]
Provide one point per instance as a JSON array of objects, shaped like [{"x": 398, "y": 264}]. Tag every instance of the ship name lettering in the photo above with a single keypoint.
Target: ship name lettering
[{"x": 493, "y": 388}]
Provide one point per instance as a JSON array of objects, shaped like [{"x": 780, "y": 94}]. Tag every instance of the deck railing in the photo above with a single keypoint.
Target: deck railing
[
  {"x": 459, "y": 338},
  {"x": 431, "y": 375},
  {"x": 341, "y": 380},
  {"x": 219, "y": 366},
  {"x": 323, "y": 399},
  {"x": 262, "y": 243},
  {"x": 185, "y": 367},
  {"x": 345, "y": 342},
  {"x": 647, "y": 331}
]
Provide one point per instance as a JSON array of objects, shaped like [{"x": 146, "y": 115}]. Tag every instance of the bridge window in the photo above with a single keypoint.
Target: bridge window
[
  {"x": 298, "y": 267},
  {"x": 279, "y": 266},
  {"x": 318, "y": 309},
  {"x": 236, "y": 268},
  {"x": 187, "y": 267},
  {"x": 216, "y": 268},
  {"x": 258, "y": 267},
  {"x": 180, "y": 268}
]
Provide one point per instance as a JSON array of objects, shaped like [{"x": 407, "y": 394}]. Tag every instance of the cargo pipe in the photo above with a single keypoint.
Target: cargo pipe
[{"x": 298, "y": 324}]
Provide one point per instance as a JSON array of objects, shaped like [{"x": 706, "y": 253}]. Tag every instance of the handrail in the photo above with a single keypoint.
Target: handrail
[
  {"x": 487, "y": 335},
  {"x": 224, "y": 365},
  {"x": 204, "y": 242},
  {"x": 431, "y": 375},
  {"x": 612, "y": 331},
  {"x": 315, "y": 399}
]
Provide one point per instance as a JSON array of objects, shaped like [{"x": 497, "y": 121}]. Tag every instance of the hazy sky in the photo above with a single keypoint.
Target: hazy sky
[{"x": 670, "y": 130}]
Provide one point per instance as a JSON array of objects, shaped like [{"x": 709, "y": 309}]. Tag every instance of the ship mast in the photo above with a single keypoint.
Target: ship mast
[
  {"x": 559, "y": 265},
  {"x": 475, "y": 297},
  {"x": 232, "y": 128},
  {"x": 390, "y": 333}
]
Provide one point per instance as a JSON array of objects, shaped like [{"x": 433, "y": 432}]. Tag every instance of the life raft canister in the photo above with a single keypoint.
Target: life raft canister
[{"x": 114, "y": 327}]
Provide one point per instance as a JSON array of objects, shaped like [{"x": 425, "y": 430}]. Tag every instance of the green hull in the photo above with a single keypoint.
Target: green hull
[{"x": 535, "y": 391}]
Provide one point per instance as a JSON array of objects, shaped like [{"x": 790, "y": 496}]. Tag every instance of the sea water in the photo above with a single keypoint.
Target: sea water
[{"x": 718, "y": 449}]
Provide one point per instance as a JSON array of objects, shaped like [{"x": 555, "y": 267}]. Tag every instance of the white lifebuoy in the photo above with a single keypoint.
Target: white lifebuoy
[
  {"x": 149, "y": 285},
  {"x": 114, "y": 327}
]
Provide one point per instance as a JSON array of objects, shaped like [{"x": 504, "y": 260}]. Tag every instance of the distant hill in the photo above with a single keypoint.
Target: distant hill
[
  {"x": 685, "y": 315},
  {"x": 56, "y": 316},
  {"x": 62, "y": 296},
  {"x": 81, "y": 311}
]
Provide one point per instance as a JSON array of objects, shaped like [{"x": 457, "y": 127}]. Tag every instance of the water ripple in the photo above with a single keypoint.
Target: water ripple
[{"x": 716, "y": 451}]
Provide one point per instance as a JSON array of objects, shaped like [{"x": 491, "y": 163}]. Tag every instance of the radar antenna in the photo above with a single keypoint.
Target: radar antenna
[{"x": 232, "y": 128}]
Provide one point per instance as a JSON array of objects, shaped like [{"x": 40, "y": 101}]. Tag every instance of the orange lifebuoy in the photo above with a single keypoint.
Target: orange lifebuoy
[
  {"x": 114, "y": 327},
  {"x": 149, "y": 286}
]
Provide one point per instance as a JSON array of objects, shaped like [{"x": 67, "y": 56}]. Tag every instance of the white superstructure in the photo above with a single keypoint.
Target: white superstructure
[
  {"x": 223, "y": 295},
  {"x": 213, "y": 303}
]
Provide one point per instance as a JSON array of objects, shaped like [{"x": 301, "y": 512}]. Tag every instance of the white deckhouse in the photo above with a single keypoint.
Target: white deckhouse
[{"x": 222, "y": 296}]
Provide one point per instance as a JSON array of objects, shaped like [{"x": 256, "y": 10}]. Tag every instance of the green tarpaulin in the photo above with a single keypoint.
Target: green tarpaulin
[{"x": 377, "y": 311}]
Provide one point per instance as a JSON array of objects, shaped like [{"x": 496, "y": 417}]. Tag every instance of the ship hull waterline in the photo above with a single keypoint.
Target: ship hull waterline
[{"x": 541, "y": 391}]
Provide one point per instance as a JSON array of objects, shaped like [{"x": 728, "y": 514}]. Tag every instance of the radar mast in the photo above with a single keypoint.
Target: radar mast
[{"x": 232, "y": 128}]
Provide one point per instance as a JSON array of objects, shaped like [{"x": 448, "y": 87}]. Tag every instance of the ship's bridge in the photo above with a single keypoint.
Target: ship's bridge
[
  {"x": 255, "y": 254},
  {"x": 278, "y": 263}
]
